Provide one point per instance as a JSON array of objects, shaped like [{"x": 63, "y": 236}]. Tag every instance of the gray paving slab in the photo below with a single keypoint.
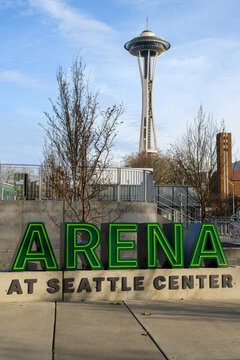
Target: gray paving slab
[
  {"x": 102, "y": 331},
  {"x": 193, "y": 330},
  {"x": 26, "y": 331}
]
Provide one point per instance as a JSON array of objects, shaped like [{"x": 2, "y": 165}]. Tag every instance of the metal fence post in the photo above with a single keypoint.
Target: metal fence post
[
  {"x": 144, "y": 185},
  {"x": 40, "y": 182},
  {"x": 118, "y": 184}
]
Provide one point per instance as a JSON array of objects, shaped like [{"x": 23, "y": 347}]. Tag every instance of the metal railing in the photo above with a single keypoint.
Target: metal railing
[
  {"x": 181, "y": 211},
  {"x": 174, "y": 203},
  {"x": 31, "y": 182},
  {"x": 228, "y": 229},
  {"x": 176, "y": 212}
]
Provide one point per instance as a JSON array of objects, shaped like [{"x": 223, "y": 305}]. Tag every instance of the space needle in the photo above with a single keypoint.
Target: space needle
[{"x": 147, "y": 47}]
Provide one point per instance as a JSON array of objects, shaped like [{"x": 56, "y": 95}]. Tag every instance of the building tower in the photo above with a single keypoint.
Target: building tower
[
  {"x": 224, "y": 164},
  {"x": 147, "y": 47}
]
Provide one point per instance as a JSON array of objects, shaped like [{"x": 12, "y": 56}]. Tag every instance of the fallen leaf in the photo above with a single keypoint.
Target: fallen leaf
[
  {"x": 146, "y": 313},
  {"x": 116, "y": 303}
]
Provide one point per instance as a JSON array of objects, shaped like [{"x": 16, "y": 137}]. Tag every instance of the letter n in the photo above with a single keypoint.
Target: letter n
[{"x": 165, "y": 245}]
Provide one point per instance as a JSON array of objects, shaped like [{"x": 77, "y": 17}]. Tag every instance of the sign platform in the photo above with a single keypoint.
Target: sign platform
[{"x": 113, "y": 285}]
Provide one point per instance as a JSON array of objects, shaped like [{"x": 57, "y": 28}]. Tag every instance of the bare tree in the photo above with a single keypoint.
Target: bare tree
[
  {"x": 195, "y": 157},
  {"x": 162, "y": 165},
  {"x": 80, "y": 137}
]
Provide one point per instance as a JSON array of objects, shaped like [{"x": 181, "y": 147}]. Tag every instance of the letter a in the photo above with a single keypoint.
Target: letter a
[{"x": 35, "y": 233}]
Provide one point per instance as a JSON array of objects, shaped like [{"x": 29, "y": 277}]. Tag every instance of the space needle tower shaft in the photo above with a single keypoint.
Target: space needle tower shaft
[{"x": 147, "y": 47}]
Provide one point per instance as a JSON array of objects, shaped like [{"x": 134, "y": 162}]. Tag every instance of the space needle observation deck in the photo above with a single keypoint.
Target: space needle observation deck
[{"x": 147, "y": 47}]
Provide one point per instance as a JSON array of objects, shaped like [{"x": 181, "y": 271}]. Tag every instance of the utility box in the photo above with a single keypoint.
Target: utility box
[
  {"x": 7, "y": 191},
  {"x": 20, "y": 186}
]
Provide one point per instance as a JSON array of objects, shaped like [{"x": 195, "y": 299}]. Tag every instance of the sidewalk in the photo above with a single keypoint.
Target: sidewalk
[{"x": 176, "y": 330}]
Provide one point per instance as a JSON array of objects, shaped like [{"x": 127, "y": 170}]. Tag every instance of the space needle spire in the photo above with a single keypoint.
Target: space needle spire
[{"x": 147, "y": 47}]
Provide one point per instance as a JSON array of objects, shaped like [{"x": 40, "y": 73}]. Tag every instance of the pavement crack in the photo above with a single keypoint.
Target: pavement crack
[
  {"x": 54, "y": 330},
  {"x": 147, "y": 332}
]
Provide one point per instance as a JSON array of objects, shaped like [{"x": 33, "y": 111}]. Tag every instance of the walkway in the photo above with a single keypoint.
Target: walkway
[{"x": 176, "y": 330}]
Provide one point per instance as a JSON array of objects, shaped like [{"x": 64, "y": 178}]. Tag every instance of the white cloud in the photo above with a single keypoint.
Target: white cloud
[
  {"x": 70, "y": 18},
  {"x": 186, "y": 63},
  {"x": 79, "y": 27},
  {"x": 17, "y": 77},
  {"x": 143, "y": 4}
]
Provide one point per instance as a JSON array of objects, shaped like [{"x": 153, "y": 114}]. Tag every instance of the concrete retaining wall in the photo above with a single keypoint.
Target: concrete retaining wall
[
  {"x": 233, "y": 255},
  {"x": 14, "y": 215}
]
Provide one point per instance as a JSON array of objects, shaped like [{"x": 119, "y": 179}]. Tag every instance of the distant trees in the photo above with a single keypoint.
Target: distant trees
[
  {"x": 80, "y": 137},
  {"x": 163, "y": 166},
  {"x": 195, "y": 156}
]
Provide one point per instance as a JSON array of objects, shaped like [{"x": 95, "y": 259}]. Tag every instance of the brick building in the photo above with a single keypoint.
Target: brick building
[{"x": 228, "y": 173}]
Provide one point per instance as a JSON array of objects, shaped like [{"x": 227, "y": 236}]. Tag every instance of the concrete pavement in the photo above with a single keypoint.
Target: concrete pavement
[
  {"x": 132, "y": 330},
  {"x": 100, "y": 331},
  {"x": 26, "y": 331},
  {"x": 193, "y": 330}
]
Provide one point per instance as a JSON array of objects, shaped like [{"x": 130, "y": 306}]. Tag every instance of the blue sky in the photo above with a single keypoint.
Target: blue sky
[{"x": 201, "y": 67}]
